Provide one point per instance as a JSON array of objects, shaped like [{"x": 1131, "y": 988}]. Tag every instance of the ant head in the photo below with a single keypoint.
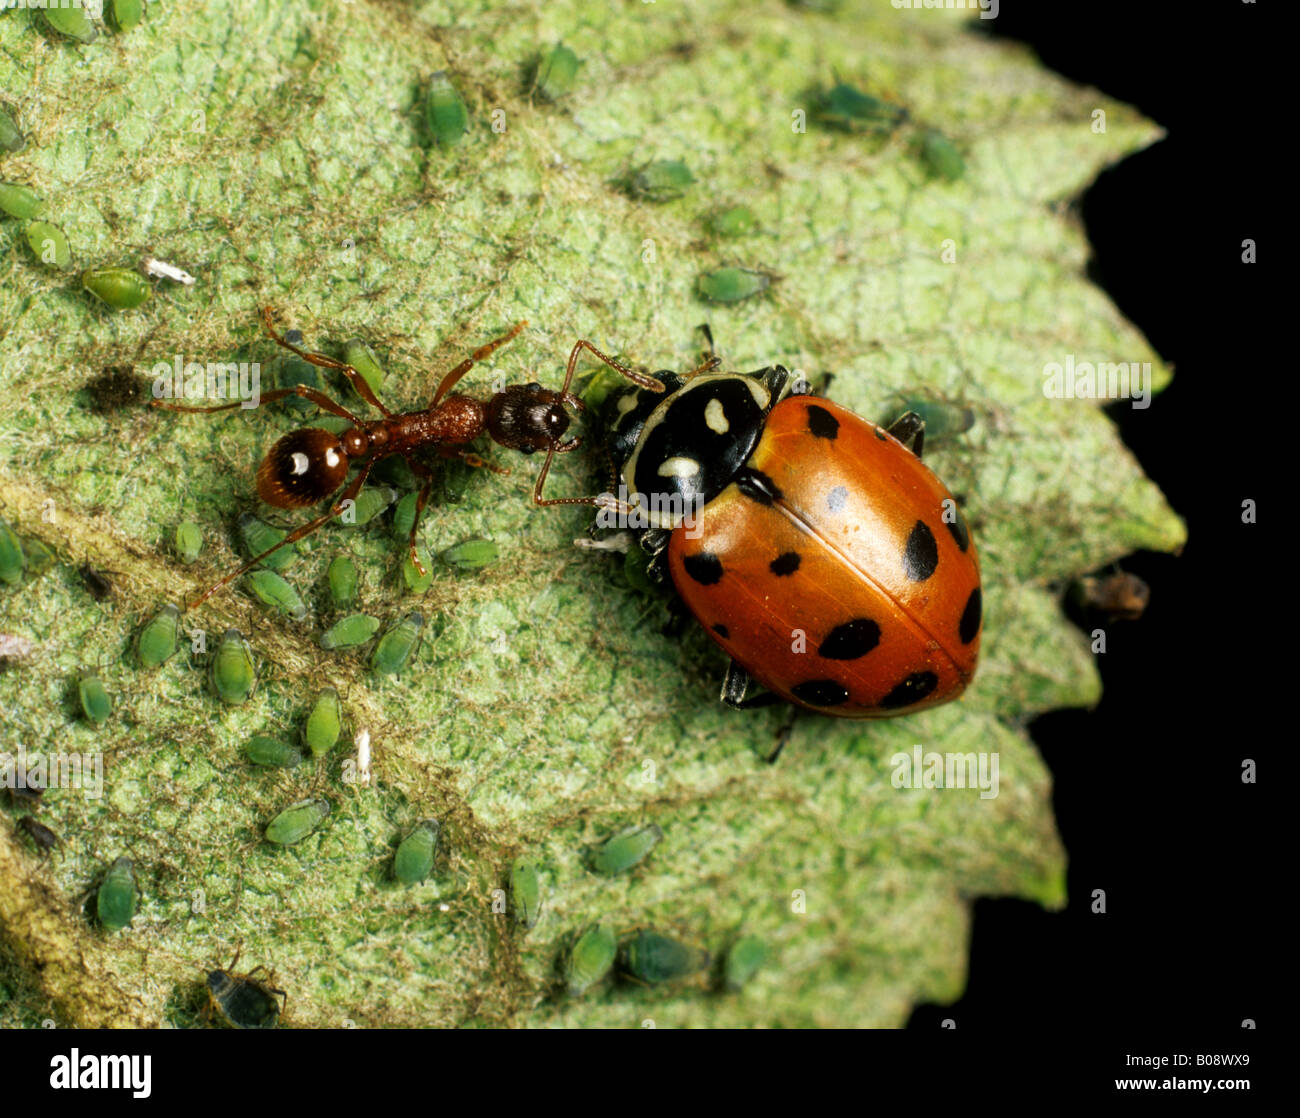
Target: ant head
[
  {"x": 528, "y": 417},
  {"x": 304, "y": 468}
]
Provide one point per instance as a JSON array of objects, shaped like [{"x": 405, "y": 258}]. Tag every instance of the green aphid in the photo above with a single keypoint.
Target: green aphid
[
  {"x": 940, "y": 156},
  {"x": 404, "y": 517},
  {"x": 39, "y": 556},
  {"x": 70, "y": 21},
  {"x": 370, "y": 502},
  {"x": 525, "y": 893},
  {"x": 624, "y": 850},
  {"x": 49, "y": 244},
  {"x": 189, "y": 541},
  {"x": 417, "y": 583},
  {"x": 232, "y": 673},
  {"x": 159, "y": 639},
  {"x": 274, "y": 753},
  {"x": 850, "y": 110},
  {"x": 349, "y": 632},
  {"x": 414, "y": 859},
  {"x": 116, "y": 901},
  {"x": 445, "y": 111},
  {"x": 277, "y": 593},
  {"x": 590, "y": 959},
  {"x": 394, "y": 648},
  {"x": 12, "y": 559},
  {"x": 121, "y": 288},
  {"x": 19, "y": 201},
  {"x": 362, "y": 358},
  {"x": 660, "y": 181},
  {"x": 259, "y": 536},
  {"x": 294, "y": 371},
  {"x": 731, "y": 285},
  {"x": 557, "y": 72},
  {"x": 942, "y": 420},
  {"x": 470, "y": 555},
  {"x": 738, "y": 221},
  {"x": 124, "y": 14},
  {"x": 297, "y": 821},
  {"x": 241, "y": 1001},
  {"x": 342, "y": 579},
  {"x": 651, "y": 957},
  {"x": 324, "y": 723},
  {"x": 11, "y": 138},
  {"x": 455, "y": 482},
  {"x": 95, "y": 701},
  {"x": 395, "y": 470},
  {"x": 746, "y": 956},
  {"x": 636, "y": 569}
]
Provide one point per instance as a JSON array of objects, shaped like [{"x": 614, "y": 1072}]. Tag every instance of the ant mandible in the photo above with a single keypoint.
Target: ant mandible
[{"x": 307, "y": 465}]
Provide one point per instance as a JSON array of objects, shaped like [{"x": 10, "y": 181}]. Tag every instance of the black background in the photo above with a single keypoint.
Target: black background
[{"x": 1148, "y": 790}]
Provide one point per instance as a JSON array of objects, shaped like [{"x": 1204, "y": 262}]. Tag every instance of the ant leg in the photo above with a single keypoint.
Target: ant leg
[
  {"x": 643, "y": 379},
  {"x": 318, "y": 398},
  {"x": 603, "y": 501},
  {"x": 319, "y": 359},
  {"x": 420, "y": 502},
  {"x": 449, "y": 381},
  {"x": 470, "y": 459},
  {"x": 349, "y": 494}
]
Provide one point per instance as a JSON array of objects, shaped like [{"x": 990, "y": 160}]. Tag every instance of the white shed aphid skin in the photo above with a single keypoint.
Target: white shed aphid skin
[
  {"x": 153, "y": 267},
  {"x": 363, "y": 757}
]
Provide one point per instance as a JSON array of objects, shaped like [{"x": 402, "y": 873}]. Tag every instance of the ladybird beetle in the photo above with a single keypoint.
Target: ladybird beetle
[{"x": 815, "y": 548}]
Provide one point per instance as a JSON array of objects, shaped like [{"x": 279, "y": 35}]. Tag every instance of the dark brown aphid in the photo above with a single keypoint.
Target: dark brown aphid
[
  {"x": 1120, "y": 596},
  {"x": 96, "y": 583},
  {"x": 45, "y": 839},
  {"x": 26, "y": 795},
  {"x": 243, "y": 1001},
  {"x": 115, "y": 388},
  {"x": 306, "y": 466}
]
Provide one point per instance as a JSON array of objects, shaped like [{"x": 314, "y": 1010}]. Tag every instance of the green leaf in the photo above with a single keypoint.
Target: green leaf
[{"x": 278, "y": 154}]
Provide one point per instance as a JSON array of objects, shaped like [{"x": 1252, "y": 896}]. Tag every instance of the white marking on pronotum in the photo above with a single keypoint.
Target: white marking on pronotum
[
  {"x": 678, "y": 467},
  {"x": 152, "y": 267},
  {"x": 626, "y": 403},
  {"x": 363, "y": 756},
  {"x": 715, "y": 417},
  {"x": 332, "y": 458}
]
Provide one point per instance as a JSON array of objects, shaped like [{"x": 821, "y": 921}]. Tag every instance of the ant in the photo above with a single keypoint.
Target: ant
[{"x": 306, "y": 466}]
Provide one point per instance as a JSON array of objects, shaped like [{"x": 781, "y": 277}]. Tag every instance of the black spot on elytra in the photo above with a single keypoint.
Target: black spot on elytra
[
  {"x": 970, "y": 616},
  {"x": 705, "y": 568},
  {"x": 757, "y": 486},
  {"x": 722, "y": 631},
  {"x": 821, "y": 423},
  {"x": 852, "y": 639},
  {"x": 837, "y": 498},
  {"x": 785, "y": 564},
  {"x": 912, "y": 690},
  {"x": 820, "y": 692},
  {"x": 921, "y": 555},
  {"x": 958, "y": 529}
]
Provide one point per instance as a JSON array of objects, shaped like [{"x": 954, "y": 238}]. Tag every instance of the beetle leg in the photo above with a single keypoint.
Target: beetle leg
[
  {"x": 736, "y": 684},
  {"x": 909, "y": 429}
]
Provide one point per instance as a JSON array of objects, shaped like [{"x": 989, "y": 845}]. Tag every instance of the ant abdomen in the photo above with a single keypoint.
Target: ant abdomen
[{"x": 302, "y": 468}]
